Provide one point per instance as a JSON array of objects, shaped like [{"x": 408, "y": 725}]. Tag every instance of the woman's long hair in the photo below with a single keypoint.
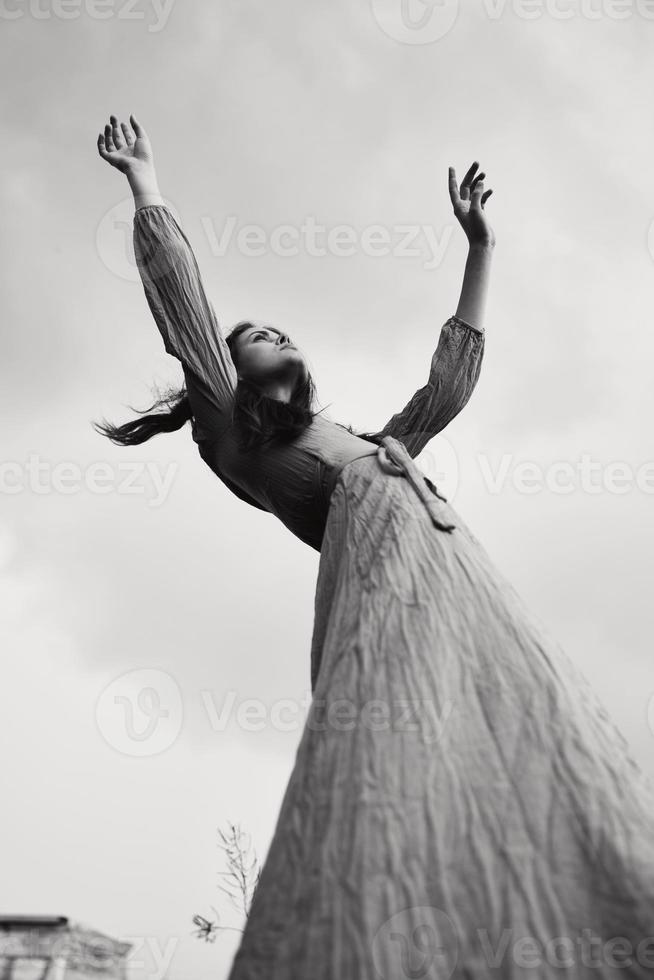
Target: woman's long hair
[{"x": 257, "y": 418}]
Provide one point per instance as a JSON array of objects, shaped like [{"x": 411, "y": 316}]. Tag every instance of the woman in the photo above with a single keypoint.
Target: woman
[{"x": 461, "y": 804}]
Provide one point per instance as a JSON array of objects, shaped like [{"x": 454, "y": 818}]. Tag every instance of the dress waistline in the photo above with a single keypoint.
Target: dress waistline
[{"x": 394, "y": 458}]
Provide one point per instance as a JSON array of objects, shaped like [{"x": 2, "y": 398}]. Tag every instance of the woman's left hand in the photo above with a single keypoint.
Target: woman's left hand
[
  {"x": 468, "y": 202},
  {"x": 126, "y": 148}
]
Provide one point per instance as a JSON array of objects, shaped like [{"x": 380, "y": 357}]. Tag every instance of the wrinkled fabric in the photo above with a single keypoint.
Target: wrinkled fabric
[
  {"x": 293, "y": 481},
  {"x": 461, "y": 804}
]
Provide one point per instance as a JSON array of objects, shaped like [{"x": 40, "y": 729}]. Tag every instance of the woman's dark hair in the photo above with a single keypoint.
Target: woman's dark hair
[{"x": 257, "y": 417}]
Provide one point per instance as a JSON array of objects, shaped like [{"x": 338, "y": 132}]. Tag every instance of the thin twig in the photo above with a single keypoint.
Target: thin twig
[
  {"x": 243, "y": 872},
  {"x": 241, "y": 880}
]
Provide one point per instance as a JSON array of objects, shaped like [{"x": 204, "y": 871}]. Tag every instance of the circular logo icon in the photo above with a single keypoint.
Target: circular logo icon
[
  {"x": 114, "y": 239},
  {"x": 418, "y": 943},
  {"x": 440, "y": 463},
  {"x": 415, "y": 21},
  {"x": 140, "y": 713}
]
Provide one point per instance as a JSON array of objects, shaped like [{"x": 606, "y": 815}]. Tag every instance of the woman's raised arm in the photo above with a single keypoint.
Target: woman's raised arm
[
  {"x": 456, "y": 363},
  {"x": 468, "y": 203},
  {"x": 169, "y": 271}
]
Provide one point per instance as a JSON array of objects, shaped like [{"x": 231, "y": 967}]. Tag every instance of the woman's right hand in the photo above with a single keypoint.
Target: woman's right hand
[
  {"x": 468, "y": 203},
  {"x": 127, "y": 148}
]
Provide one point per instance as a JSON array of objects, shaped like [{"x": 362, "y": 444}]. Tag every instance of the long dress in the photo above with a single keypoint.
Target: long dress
[{"x": 461, "y": 804}]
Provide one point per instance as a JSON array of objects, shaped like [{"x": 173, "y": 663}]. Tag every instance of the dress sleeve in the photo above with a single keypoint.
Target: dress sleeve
[
  {"x": 182, "y": 312},
  {"x": 454, "y": 372}
]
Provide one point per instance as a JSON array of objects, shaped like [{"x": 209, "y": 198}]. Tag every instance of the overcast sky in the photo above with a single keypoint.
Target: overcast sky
[{"x": 289, "y": 116}]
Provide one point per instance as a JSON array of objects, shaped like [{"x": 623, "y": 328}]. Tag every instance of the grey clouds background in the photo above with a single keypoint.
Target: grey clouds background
[{"x": 273, "y": 114}]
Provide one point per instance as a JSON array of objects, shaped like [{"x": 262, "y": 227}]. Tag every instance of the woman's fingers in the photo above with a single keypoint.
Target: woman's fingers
[
  {"x": 116, "y": 133},
  {"x": 477, "y": 194},
  {"x": 453, "y": 187},
  {"x": 465, "y": 183},
  {"x": 138, "y": 129},
  {"x": 480, "y": 176},
  {"x": 108, "y": 139},
  {"x": 101, "y": 147},
  {"x": 128, "y": 134},
  {"x": 472, "y": 188},
  {"x": 118, "y": 139}
]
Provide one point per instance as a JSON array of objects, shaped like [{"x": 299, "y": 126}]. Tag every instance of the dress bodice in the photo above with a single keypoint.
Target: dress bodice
[{"x": 292, "y": 480}]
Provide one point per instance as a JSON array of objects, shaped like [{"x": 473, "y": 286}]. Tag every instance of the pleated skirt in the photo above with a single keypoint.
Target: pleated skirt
[{"x": 461, "y": 804}]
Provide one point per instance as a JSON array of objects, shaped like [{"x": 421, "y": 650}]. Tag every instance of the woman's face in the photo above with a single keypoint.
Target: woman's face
[{"x": 265, "y": 355}]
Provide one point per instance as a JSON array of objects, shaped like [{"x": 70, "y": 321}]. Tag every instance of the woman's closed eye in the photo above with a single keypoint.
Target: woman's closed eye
[{"x": 272, "y": 337}]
